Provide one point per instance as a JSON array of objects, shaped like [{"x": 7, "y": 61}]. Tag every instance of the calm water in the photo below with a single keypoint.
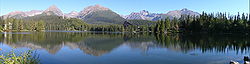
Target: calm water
[{"x": 115, "y": 48}]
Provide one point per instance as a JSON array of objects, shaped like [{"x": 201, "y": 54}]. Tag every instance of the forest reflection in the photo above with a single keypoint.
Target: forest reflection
[{"x": 97, "y": 44}]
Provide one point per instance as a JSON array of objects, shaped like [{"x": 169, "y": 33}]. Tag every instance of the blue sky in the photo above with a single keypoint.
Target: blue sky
[{"x": 125, "y": 7}]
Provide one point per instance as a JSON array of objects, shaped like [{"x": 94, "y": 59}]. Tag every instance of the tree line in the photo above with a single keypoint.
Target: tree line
[
  {"x": 204, "y": 23},
  {"x": 12, "y": 24}
]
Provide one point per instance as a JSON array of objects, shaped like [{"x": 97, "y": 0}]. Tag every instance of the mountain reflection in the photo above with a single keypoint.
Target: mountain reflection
[
  {"x": 97, "y": 44},
  {"x": 206, "y": 43}
]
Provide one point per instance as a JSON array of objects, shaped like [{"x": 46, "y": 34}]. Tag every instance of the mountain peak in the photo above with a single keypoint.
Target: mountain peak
[
  {"x": 144, "y": 11},
  {"x": 72, "y": 14},
  {"x": 93, "y": 8},
  {"x": 144, "y": 15},
  {"x": 53, "y": 6},
  {"x": 96, "y": 7},
  {"x": 54, "y": 9},
  {"x": 184, "y": 9},
  {"x": 20, "y": 14},
  {"x": 16, "y": 12}
]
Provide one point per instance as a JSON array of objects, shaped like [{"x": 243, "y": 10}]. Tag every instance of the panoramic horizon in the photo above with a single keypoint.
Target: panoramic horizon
[
  {"x": 124, "y": 32},
  {"x": 129, "y": 6}
]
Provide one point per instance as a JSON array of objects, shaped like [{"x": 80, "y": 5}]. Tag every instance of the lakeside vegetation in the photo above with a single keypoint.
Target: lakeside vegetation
[
  {"x": 28, "y": 57},
  {"x": 205, "y": 23}
]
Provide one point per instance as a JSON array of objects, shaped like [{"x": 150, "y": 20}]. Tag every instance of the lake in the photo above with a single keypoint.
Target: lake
[{"x": 71, "y": 47}]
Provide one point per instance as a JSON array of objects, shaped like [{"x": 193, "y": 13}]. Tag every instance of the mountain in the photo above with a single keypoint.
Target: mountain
[
  {"x": 53, "y": 10},
  {"x": 142, "y": 15},
  {"x": 72, "y": 14},
  {"x": 21, "y": 14},
  {"x": 34, "y": 12},
  {"x": 98, "y": 14},
  {"x": 145, "y": 15},
  {"x": 178, "y": 13},
  {"x": 92, "y": 9}
]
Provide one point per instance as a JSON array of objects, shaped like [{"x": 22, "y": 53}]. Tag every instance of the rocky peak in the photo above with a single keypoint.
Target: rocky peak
[
  {"x": 15, "y": 12},
  {"x": 21, "y": 14},
  {"x": 34, "y": 12},
  {"x": 72, "y": 14},
  {"x": 143, "y": 15},
  {"x": 184, "y": 9},
  {"x": 98, "y": 7},
  {"x": 91, "y": 9},
  {"x": 144, "y": 12},
  {"x": 95, "y": 8},
  {"x": 53, "y": 9}
]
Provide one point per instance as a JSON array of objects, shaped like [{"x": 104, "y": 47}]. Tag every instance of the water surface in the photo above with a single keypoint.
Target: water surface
[{"x": 64, "y": 47}]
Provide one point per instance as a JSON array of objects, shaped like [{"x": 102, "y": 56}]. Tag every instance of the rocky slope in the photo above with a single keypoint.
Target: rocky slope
[
  {"x": 100, "y": 15},
  {"x": 53, "y": 10},
  {"x": 21, "y": 14},
  {"x": 178, "y": 13},
  {"x": 145, "y": 15},
  {"x": 72, "y": 14}
]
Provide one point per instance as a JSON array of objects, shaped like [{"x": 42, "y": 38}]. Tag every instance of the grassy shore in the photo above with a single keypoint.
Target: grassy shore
[{"x": 28, "y": 57}]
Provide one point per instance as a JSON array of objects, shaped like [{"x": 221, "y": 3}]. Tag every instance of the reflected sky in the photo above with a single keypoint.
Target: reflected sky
[{"x": 120, "y": 48}]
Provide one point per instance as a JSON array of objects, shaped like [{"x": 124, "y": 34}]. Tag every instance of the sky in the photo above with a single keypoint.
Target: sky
[{"x": 125, "y": 7}]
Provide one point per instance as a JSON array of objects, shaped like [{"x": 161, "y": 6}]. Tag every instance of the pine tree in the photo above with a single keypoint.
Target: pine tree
[{"x": 40, "y": 25}]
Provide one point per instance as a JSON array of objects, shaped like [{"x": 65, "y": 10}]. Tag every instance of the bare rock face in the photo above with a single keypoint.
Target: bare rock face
[
  {"x": 178, "y": 13},
  {"x": 145, "y": 15},
  {"x": 34, "y": 12},
  {"x": 142, "y": 15},
  {"x": 95, "y": 14},
  {"x": 20, "y": 14},
  {"x": 53, "y": 10},
  {"x": 91, "y": 9},
  {"x": 16, "y": 14},
  {"x": 98, "y": 14},
  {"x": 72, "y": 14}
]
